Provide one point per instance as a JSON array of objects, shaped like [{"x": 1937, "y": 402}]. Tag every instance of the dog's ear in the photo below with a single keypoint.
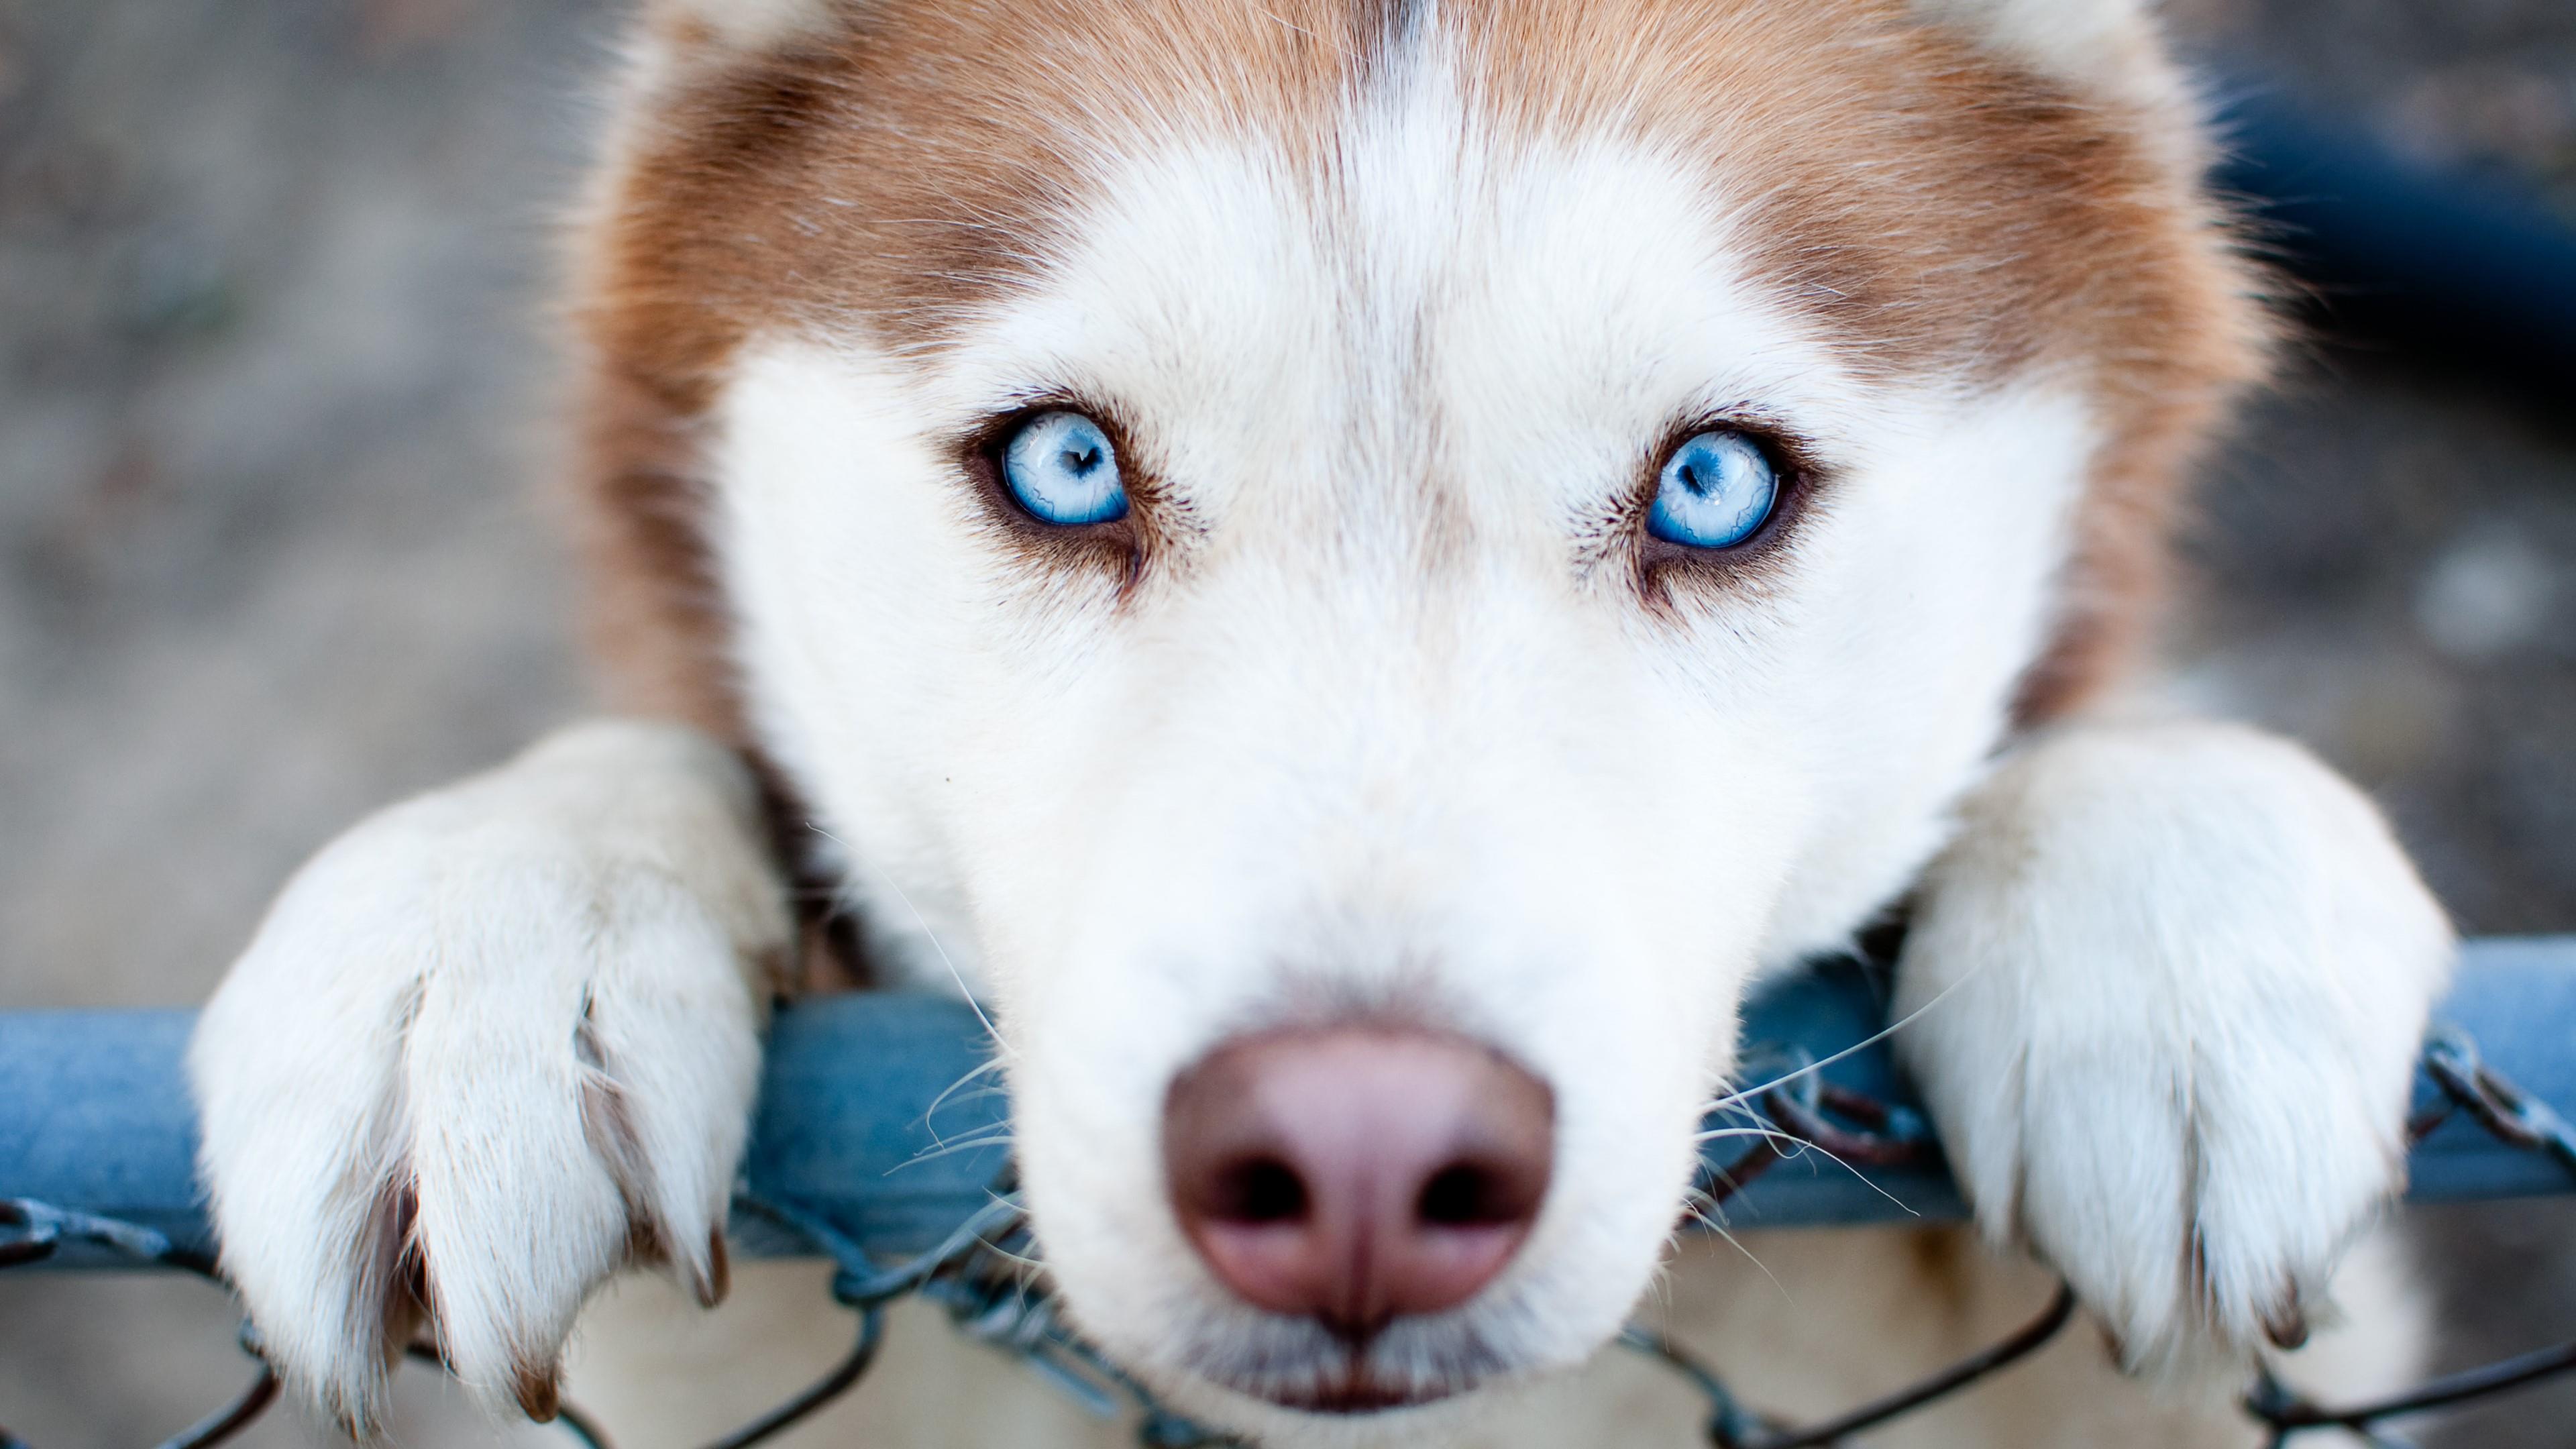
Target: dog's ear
[{"x": 2108, "y": 48}]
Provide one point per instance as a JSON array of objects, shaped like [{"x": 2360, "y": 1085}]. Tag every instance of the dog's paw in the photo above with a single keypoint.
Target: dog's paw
[
  {"x": 487, "y": 1048},
  {"x": 2182, "y": 973}
]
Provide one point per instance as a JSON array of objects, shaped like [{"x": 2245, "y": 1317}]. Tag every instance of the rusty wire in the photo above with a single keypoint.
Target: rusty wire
[{"x": 982, "y": 1276}]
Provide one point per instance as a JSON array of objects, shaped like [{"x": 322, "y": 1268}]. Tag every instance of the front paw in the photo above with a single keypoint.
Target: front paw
[
  {"x": 2173, "y": 984},
  {"x": 487, "y": 1048}
]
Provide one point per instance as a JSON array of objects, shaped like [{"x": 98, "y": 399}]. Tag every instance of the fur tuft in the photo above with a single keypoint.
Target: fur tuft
[
  {"x": 743, "y": 27},
  {"x": 2100, "y": 47}
]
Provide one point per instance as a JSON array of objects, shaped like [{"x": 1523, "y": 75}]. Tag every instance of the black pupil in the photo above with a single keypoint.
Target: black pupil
[{"x": 1082, "y": 460}]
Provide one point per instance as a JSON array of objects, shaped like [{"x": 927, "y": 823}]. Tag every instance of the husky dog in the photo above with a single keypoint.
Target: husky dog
[{"x": 1358, "y": 570}]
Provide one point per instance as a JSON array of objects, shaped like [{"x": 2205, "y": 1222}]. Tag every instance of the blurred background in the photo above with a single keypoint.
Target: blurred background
[{"x": 274, "y": 382}]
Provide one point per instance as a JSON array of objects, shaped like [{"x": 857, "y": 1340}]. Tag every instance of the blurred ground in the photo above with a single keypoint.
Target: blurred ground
[
  {"x": 269, "y": 374},
  {"x": 273, "y": 382},
  {"x": 2388, "y": 572}
]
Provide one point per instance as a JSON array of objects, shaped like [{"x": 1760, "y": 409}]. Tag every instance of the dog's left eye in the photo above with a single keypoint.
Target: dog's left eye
[
  {"x": 1714, "y": 491},
  {"x": 1062, "y": 468}
]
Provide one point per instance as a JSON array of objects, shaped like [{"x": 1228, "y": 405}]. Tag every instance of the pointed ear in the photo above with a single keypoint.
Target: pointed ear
[{"x": 2108, "y": 48}]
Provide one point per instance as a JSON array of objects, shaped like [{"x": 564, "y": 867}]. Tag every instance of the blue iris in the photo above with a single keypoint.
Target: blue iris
[
  {"x": 1714, "y": 492},
  {"x": 1063, "y": 470}
]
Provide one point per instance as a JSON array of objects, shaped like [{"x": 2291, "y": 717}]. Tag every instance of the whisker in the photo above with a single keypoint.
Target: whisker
[
  {"x": 1864, "y": 1044},
  {"x": 1736, "y": 1109},
  {"x": 987, "y": 1067},
  {"x": 1791, "y": 1146},
  {"x": 995, "y": 1138},
  {"x": 1027, "y": 1262},
  {"x": 1737, "y": 1244},
  {"x": 1022, "y": 1261},
  {"x": 932, "y": 936},
  {"x": 1768, "y": 1133},
  {"x": 1802, "y": 1145},
  {"x": 998, "y": 1132}
]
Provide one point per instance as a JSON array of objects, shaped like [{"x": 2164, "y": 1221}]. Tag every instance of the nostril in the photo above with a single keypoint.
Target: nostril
[
  {"x": 1470, "y": 1195},
  {"x": 1258, "y": 1192}
]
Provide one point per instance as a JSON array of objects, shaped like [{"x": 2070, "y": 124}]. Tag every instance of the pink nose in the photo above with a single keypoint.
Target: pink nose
[{"x": 1353, "y": 1174}]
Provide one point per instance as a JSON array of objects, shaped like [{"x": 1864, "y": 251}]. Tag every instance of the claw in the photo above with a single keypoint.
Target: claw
[
  {"x": 396, "y": 1276},
  {"x": 539, "y": 1387},
  {"x": 713, "y": 1279},
  {"x": 2286, "y": 1325}
]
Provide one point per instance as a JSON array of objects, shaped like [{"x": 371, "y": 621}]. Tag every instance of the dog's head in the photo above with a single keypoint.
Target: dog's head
[{"x": 1364, "y": 565}]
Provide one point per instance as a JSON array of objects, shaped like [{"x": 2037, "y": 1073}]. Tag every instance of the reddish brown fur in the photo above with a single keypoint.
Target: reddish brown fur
[{"x": 1947, "y": 214}]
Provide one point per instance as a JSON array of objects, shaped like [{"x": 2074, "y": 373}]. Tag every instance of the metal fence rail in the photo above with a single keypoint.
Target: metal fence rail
[{"x": 97, "y": 1145}]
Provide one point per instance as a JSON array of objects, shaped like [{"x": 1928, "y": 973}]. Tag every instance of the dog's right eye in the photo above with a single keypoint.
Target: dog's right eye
[
  {"x": 1715, "y": 491},
  {"x": 1062, "y": 468}
]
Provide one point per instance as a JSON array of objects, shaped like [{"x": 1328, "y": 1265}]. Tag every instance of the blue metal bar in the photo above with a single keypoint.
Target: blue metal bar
[{"x": 94, "y": 1111}]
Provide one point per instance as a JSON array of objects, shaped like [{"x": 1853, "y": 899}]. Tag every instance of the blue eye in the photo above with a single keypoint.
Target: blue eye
[
  {"x": 1062, "y": 468},
  {"x": 1714, "y": 491}
]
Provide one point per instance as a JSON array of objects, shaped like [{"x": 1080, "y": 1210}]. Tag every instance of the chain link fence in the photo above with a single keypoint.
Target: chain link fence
[{"x": 89, "y": 1113}]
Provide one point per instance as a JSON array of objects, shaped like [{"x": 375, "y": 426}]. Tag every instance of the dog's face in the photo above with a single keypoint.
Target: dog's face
[{"x": 1479, "y": 524}]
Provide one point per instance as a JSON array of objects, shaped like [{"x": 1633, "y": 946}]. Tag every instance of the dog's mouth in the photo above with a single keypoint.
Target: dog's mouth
[
  {"x": 1353, "y": 1390},
  {"x": 1407, "y": 1367}
]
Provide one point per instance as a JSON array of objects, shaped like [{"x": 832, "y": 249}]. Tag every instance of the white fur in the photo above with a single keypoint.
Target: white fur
[
  {"x": 1325, "y": 756},
  {"x": 415, "y": 1008},
  {"x": 2187, "y": 972},
  {"x": 1381, "y": 727}
]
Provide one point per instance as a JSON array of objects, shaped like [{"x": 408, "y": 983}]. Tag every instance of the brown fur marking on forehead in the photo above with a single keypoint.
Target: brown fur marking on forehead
[
  {"x": 925, "y": 158},
  {"x": 1935, "y": 207},
  {"x": 890, "y": 178},
  {"x": 1936, "y": 210}
]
